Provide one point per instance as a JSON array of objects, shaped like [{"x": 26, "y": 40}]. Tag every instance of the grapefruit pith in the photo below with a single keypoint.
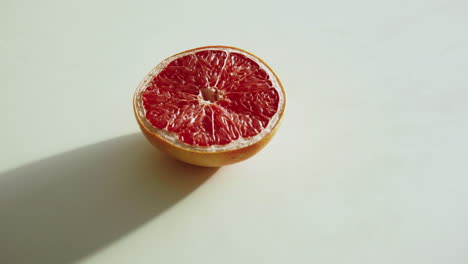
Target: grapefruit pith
[{"x": 210, "y": 106}]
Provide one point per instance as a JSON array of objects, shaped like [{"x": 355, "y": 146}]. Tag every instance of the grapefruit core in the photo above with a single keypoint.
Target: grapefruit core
[{"x": 210, "y": 106}]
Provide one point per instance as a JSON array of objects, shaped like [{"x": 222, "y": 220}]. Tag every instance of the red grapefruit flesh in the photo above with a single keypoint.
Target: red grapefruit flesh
[{"x": 210, "y": 106}]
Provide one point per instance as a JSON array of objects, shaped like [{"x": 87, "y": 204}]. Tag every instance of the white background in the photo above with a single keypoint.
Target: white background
[{"x": 370, "y": 165}]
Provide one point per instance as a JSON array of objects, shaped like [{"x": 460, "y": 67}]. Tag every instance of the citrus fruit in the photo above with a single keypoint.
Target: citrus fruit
[{"x": 210, "y": 106}]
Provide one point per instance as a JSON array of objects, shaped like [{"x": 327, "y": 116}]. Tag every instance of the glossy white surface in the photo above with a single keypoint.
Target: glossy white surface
[{"x": 370, "y": 165}]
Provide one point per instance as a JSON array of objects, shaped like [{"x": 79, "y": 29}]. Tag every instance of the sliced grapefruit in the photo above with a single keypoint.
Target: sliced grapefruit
[{"x": 210, "y": 106}]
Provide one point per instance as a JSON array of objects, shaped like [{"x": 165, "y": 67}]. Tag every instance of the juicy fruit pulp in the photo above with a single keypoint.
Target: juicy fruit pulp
[{"x": 211, "y": 97}]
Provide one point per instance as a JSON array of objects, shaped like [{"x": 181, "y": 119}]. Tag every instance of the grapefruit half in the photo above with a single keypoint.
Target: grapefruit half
[{"x": 210, "y": 106}]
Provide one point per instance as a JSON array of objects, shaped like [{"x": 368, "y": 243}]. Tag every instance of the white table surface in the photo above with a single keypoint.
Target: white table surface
[{"x": 370, "y": 165}]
